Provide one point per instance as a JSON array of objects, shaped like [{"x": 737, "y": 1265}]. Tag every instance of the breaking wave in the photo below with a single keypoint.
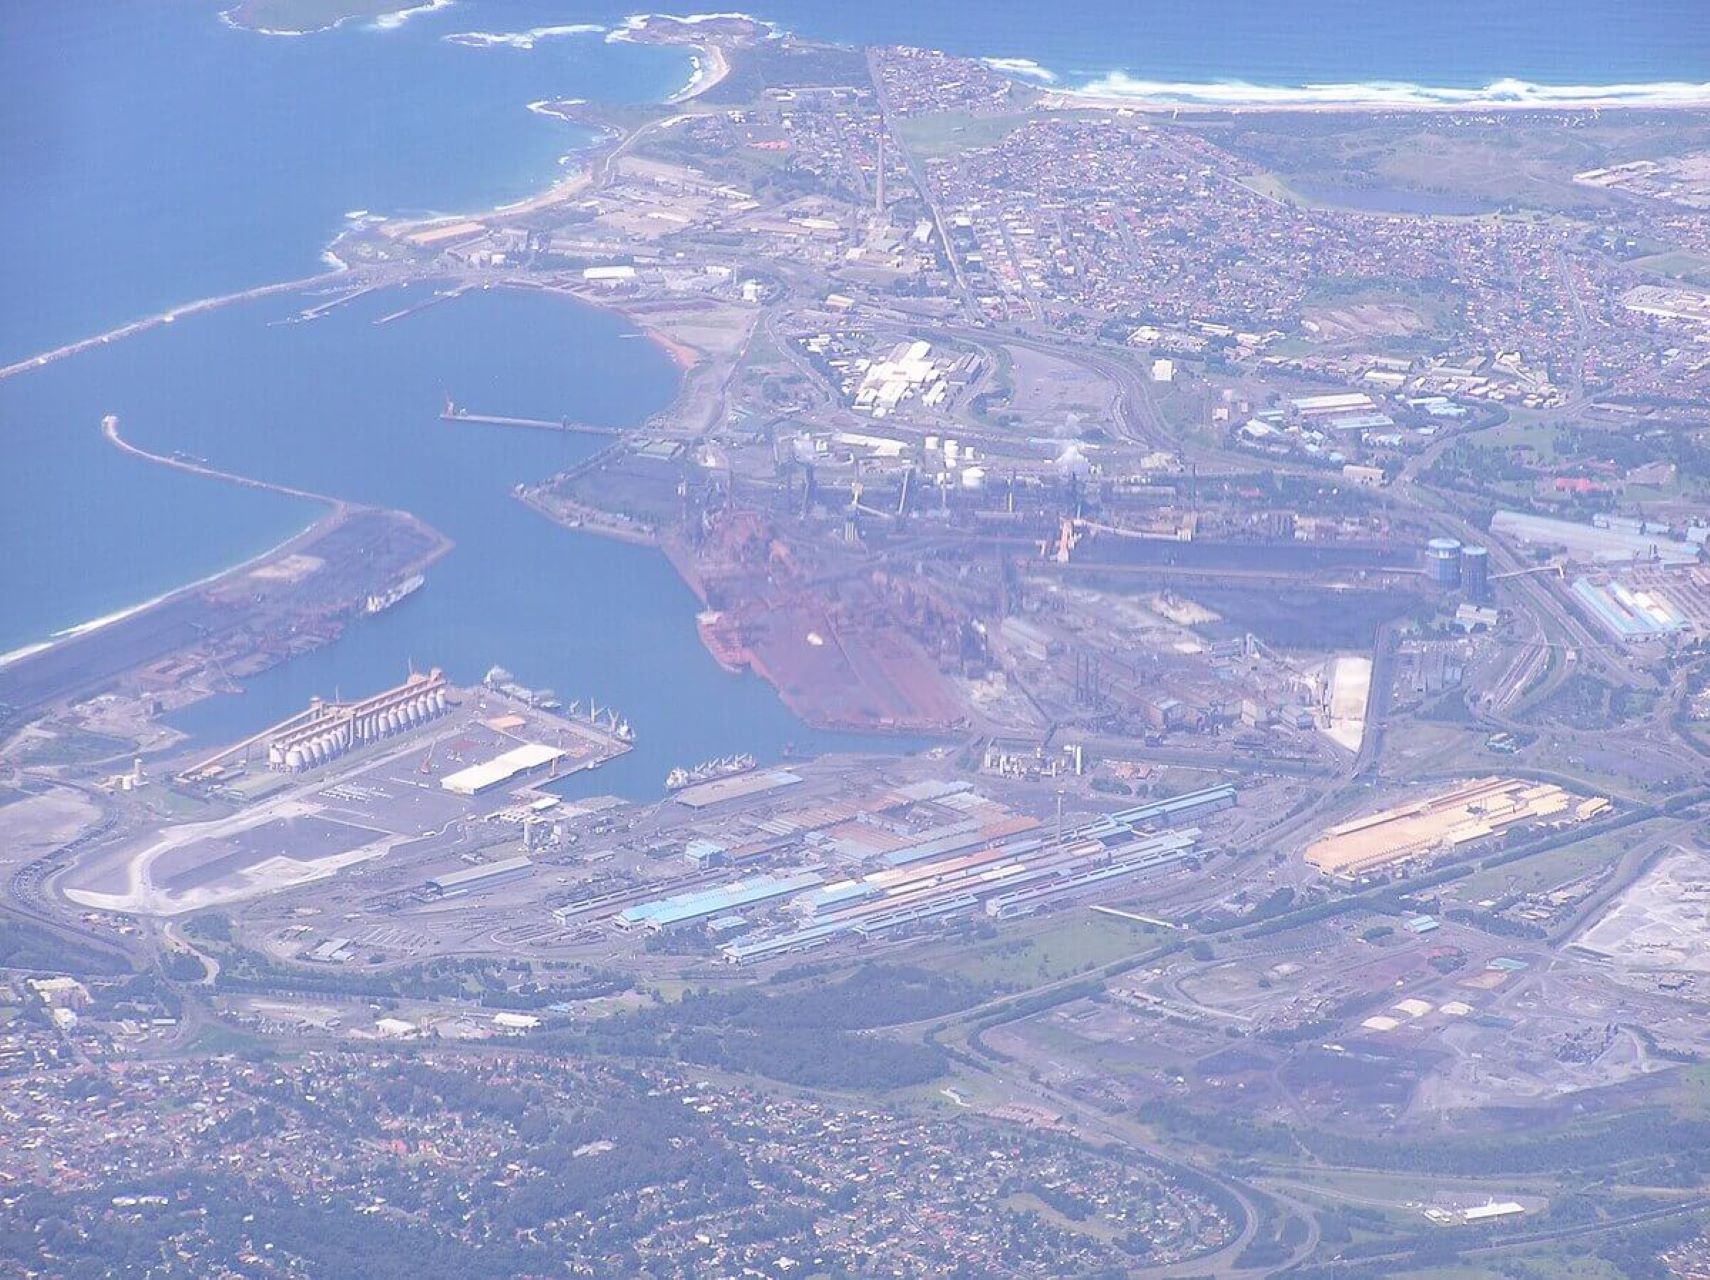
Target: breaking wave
[
  {"x": 1506, "y": 93},
  {"x": 398, "y": 17},
  {"x": 1025, "y": 67},
  {"x": 521, "y": 39}
]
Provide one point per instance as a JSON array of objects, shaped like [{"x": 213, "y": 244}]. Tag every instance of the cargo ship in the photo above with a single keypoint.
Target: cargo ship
[
  {"x": 389, "y": 597},
  {"x": 723, "y": 767},
  {"x": 722, "y": 636}
]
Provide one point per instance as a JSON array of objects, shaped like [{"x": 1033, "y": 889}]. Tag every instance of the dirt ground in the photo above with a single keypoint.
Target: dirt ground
[{"x": 34, "y": 825}]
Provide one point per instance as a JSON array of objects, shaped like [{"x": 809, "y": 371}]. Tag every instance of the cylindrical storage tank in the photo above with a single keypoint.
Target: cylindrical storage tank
[
  {"x": 973, "y": 477},
  {"x": 294, "y": 759},
  {"x": 1443, "y": 561},
  {"x": 1475, "y": 572},
  {"x": 392, "y": 722},
  {"x": 275, "y": 756},
  {"x": 439, "y": 700}
]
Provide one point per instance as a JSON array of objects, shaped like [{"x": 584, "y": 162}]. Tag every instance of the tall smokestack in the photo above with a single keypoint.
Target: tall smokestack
[{"x": 879, "y": 185}]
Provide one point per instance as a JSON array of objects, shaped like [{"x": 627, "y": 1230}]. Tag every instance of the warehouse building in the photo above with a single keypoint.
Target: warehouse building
[
  {"x": 705, "y": 904},
  {"x": 1590, "y": 544},
  {"x": 1628, "y": 614},
  {"x": 513, "y": 764},
  {"x": 1471, "y": 811},
  {"x": 489, "y": 875}
]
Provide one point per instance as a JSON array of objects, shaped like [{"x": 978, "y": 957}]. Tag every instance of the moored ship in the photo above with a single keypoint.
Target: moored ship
[
  {"x": 389, "y": 597},
  {"x": 723, "y": 767},
  {"x": 722, "y": 636}
]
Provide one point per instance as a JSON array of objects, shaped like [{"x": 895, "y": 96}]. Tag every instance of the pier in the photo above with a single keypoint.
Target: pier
[
  {"x": 454, "y": 413},
  {"x": 437, "y": 297}
]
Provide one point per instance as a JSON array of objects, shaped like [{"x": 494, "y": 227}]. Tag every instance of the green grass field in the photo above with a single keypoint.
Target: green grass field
[
  {"x": 950, "y": 133},
  {"x": 1078, "y": 941},
  {"x": 1547, "y": 870},
  {"x": 1690, "y": 268}
]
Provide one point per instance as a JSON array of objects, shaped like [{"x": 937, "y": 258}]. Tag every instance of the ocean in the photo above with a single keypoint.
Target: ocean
[{"x": 155, "y": 155}]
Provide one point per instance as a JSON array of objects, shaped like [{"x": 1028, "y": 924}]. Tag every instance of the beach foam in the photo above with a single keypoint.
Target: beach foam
[
  {"x": 229, "y": 18},
  {"x": 1025, "y": 67},
  {"x": 548, "y": 106},
  {"x": 1381, "y": 94},
  {"x": 521, "y": 39},
  {"x": 392, "y": 21}
]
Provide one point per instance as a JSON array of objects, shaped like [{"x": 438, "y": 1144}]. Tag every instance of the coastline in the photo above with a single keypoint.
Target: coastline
[
  {"x": 383, "y": 20},
  {"x": 433, "y": 545},
  {"x": 320, "y": 524},
  {"x": 680, "y": 353},
  {"x": 1121, "y": 93},
  {"x": 337, "y": 509},
  {"x": 710, "y": 67}
]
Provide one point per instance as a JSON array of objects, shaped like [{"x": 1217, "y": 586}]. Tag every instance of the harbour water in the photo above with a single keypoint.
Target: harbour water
[
  {"x": 156, "y": 155},
  {"x": 346, "y": 407}
]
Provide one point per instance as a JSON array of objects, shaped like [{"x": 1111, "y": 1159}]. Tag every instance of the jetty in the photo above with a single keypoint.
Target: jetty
[{"x": 454, "y": 412}]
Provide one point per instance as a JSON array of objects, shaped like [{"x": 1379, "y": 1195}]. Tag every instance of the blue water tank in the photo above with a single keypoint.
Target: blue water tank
[
  {"x": 1475, "y": 573},
  {"x": 1443, "y": 561}
]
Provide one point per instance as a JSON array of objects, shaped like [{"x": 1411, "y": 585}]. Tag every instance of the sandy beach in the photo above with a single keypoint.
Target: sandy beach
[
  {"x": 1368, "y": 99},
  {"x": 710, "y": 67}
]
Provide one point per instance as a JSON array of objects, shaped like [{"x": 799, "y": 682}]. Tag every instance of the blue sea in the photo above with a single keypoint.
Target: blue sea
[{"x": 154, "y": 154}]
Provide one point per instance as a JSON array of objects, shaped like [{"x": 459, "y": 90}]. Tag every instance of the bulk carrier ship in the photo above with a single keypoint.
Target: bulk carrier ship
[
  {"x": 723, "y": 767},
  {"x": 391, "y": 595}
]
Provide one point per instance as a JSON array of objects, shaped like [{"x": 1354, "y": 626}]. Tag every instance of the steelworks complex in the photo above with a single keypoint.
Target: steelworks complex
[{"x": 865, "y": 876}]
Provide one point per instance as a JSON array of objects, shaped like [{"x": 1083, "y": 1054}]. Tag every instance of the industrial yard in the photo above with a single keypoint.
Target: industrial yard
[
  {"x": 1443, "y": 822},
  {"x": 740, "y": 871},
  {"x": 341, "y": 784},
  {"x": 1199, "y": 696}
]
